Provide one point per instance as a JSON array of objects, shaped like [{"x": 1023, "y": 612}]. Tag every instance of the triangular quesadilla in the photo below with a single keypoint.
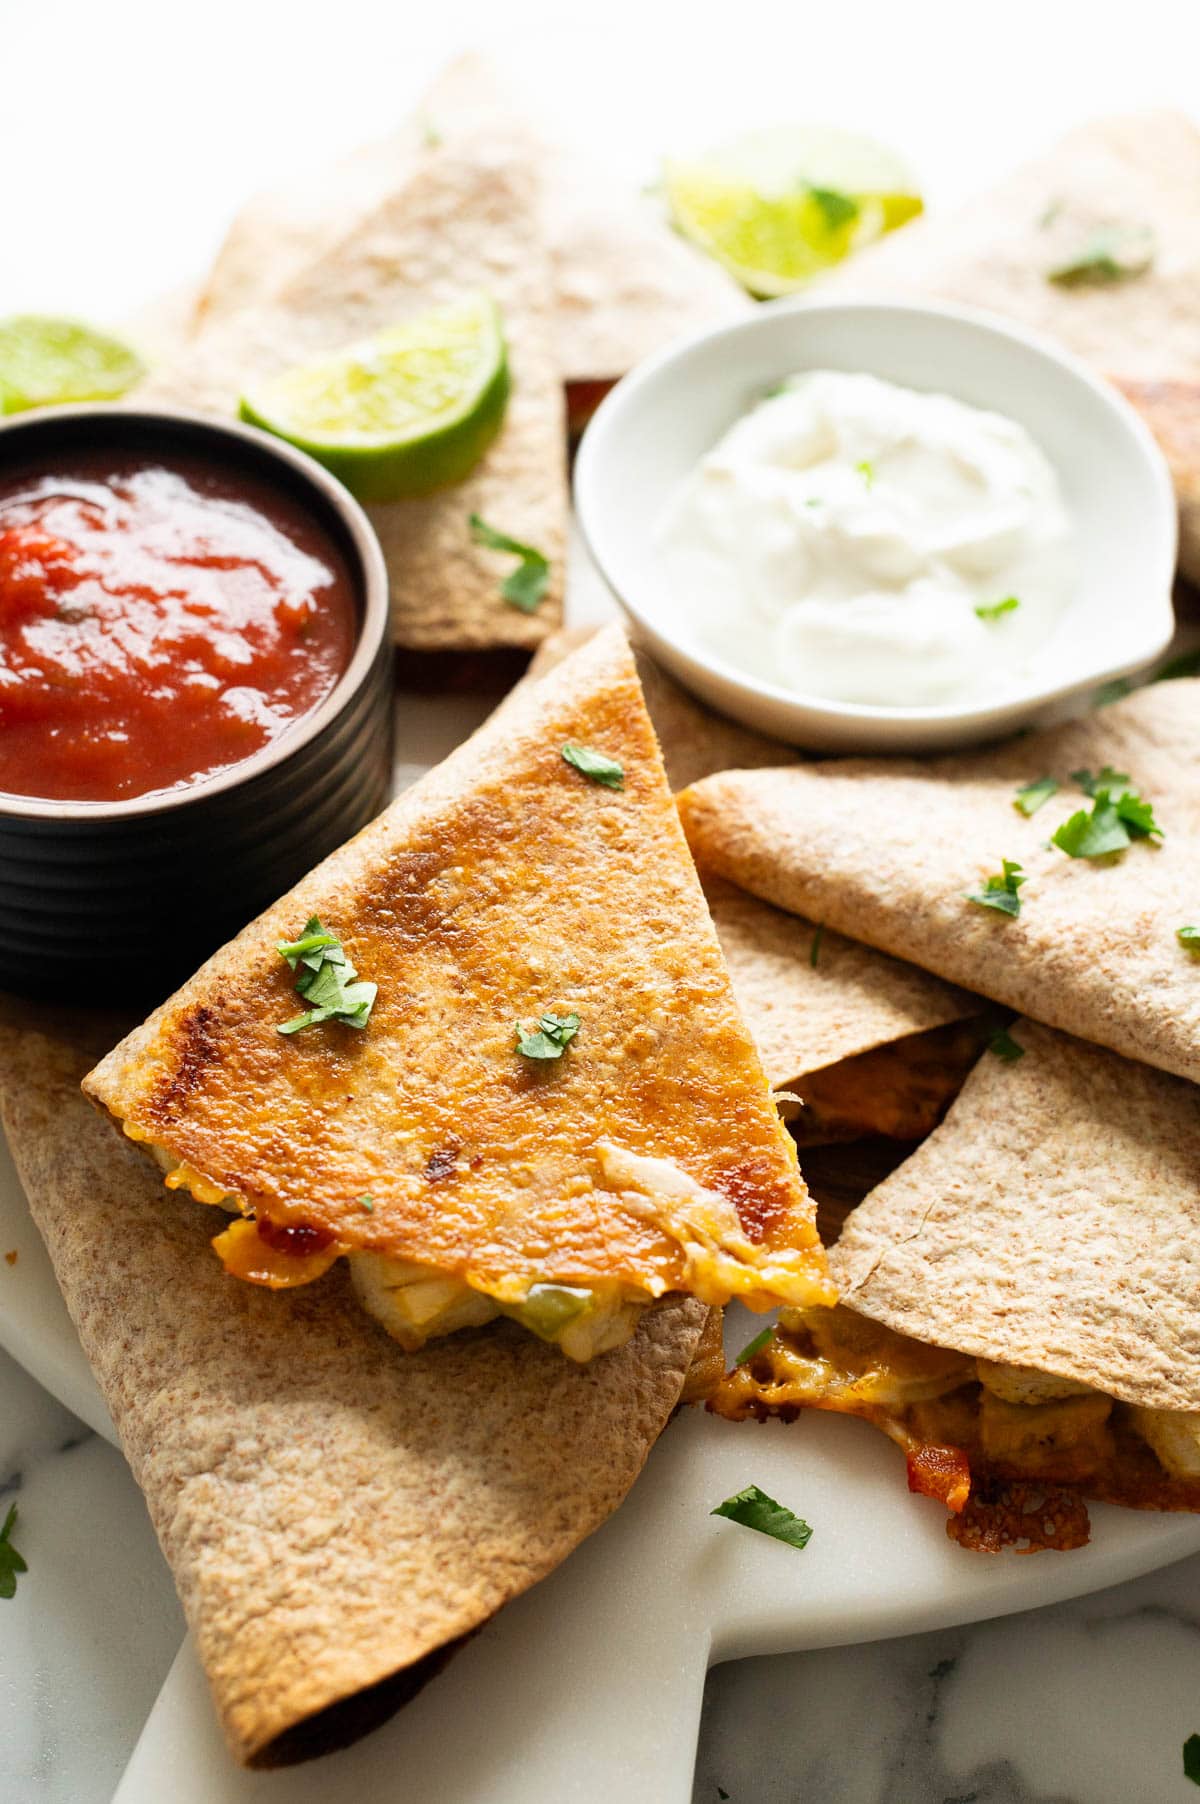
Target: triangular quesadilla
[
  {"x": 337, "y": 1517},
  {"x": 951, "y": 862},
  {"x": 465, "y": 221},
  {"x": 553, "y": 1109},
  {"x": 1096, "y": 243},
  {"x": 1021, "y": 1300},
  {"x": 873, "y": 1045},
  {"x": 622, "y": 281}
]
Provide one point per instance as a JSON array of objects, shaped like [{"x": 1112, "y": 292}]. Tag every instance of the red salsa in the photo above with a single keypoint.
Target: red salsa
[{"x": 159, "y": 622}]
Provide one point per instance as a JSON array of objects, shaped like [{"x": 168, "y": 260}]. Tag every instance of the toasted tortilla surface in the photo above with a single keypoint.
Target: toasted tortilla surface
[
  {"x": 337, "y": 1515},
  {"x": 888, "y": 850},
  {"x": 502, "y": 886}
]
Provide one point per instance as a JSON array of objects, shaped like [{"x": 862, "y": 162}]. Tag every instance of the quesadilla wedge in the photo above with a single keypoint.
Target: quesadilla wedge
[
  {"x": 621, "y": 281},
  {"x": 897, "y": 853},
  {"x": 1021, "y": 1301},
  {"x": 550, "y": 1107},
  {"x": 873, "y": 1045},
  {"x": 1096, "y": 243},
  {"x": 337, "y": 1519},
  {"x": 463, "y": 224}
]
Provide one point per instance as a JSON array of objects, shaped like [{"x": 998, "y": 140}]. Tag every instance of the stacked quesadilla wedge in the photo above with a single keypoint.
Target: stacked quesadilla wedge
[
  {"x": 554, "y": 1110},
  {"x": 1021, "y": 1301}
]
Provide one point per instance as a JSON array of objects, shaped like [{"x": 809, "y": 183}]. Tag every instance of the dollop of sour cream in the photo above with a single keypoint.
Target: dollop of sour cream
[{"x": 856, "y": 540}]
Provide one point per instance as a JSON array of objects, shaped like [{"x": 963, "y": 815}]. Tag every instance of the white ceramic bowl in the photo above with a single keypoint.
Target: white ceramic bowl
[{"x": 660, "y": 420}]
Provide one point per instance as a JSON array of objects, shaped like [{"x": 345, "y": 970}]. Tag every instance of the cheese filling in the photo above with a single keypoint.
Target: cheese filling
[
  {"x": 416, "y": 1303},
  {"x": 1009, "y": 1416}
]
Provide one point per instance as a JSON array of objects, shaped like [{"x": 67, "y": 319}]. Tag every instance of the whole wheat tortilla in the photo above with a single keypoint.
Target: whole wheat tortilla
[
  {"x": 1051, "y": 1221},
  {"x": 466, "y": 218},
  {"x": 503, "y": 885},
  {"x": 1140, "y": 171},
  {"x": 622, "y": 282},
  {"x": 886, "y": 851},
  {"x": 337, "y": 1515}
]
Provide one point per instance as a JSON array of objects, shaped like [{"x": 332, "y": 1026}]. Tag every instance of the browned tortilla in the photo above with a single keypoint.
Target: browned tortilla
[
  {"x": 887, "y": 851},
  {"x": 1140, "y": 171},
  {"x": 465, "y": 218},
  {"x": 337, "y": 1514}
]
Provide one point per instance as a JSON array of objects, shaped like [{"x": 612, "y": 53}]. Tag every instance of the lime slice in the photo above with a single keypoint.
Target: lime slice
[
  {"x": 778, "y": 207},
  {"x": 412, "y": 409},
  {"x": 47, "y": 362}
]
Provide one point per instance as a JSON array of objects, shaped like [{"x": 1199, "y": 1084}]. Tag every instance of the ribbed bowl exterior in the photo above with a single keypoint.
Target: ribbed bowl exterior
[{"x": 119, "y": 903}]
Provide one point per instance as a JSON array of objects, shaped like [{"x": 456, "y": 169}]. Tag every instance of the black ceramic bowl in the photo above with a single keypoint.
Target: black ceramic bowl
[{"x": 119, "y": 901}]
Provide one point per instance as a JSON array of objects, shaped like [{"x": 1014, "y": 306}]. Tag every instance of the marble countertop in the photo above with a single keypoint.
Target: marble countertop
[{"x": 1082, "y": 1703}]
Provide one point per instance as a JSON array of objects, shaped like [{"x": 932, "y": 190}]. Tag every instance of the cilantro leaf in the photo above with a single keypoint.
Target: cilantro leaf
[
  {"x": 595, "y": 766},
  {"x": 1118, "y": 816},
  {"x": 866, "y": 469},
  {"x": 1032, "y": 796},
  {"x": 1000, "y": 892},
  {"x": 11, "y": 1562},
  {"x": 814, "y": 951},
  {"x": 992, "y": 610},
  {"x": 1112, "y": 254},
  {"x": 839, "y": 209},
  {"x": 367, "y": 1201},
  {"x": 1188, "y": 937},
  {"x": 1114, "y": 691},
  {"x": 549, "y": 1039},
  {"x": 1114, "y": 781},
  {"x": 525, "y": 586},
  {"x": 1005, "y": 1047},
  {"x": 752, "y": 1347},
  {"x": 754, "y": 1509},
  {"x": 1191, "y": 1759},
  {"x": 326, "y": 980}
]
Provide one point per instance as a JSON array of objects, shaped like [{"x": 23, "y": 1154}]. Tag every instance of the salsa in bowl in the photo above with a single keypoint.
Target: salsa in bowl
[{"x": 195, "y": 689}]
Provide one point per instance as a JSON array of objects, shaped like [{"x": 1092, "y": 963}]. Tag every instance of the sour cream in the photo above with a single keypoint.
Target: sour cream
[{"x": 856, "y": 540}]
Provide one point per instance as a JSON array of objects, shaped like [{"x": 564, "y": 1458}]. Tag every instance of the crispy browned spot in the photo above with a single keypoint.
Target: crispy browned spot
[
  {"x": 754, "y": 1189},
  {"x": 441, "y": 1161},
  {"x": 196, "y": 1043},
  {"x": 1022, "y": 1516}
]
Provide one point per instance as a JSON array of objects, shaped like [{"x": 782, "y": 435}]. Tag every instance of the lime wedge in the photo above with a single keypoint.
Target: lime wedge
[
  {"x": 778, "y": 207},
  {"x": 47, "y": 362},
  {"x": 412, "y": 409}
]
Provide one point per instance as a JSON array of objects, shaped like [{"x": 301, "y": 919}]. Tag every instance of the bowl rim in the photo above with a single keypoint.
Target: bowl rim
[
  {"x": 367, "y": 566},
  {"x": 604, "y": 426}
]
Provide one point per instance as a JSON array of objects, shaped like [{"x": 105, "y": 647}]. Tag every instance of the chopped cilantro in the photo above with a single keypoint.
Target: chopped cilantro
[
  {"x": 1000, "y": 892},
  {"x": 752, "y": 1347},
  {"x": 754, "y": 1509},
  {"x": 595, "y": 766},
  {"x": 326, "y": 980},
  {"x": 1189, "y": 937},
  {"x": 1191, "y": 1759},
  {"x": 1112, "y": 254},
  {"x": 1115, "y": 691},
  {"x": 549, "y": 1039},
  {"x": 1032, "y": 796},
  {"x": 367, "y": 1202},
  {"x": 866, "y": 469},
  {"x": 1117, "y": 817},
  {"x": 11, "y": 1562},
  {"x": 525, "y": 586},
  {"x": 992, "y": 610},
  {"x": 839, "y": 209},
  {"x": 814, "y": 951},
  {"x": 1005, "y": 1047}
]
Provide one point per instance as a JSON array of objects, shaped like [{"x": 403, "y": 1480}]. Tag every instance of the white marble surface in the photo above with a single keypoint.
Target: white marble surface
[{"x": 1083, "y": 1703}]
